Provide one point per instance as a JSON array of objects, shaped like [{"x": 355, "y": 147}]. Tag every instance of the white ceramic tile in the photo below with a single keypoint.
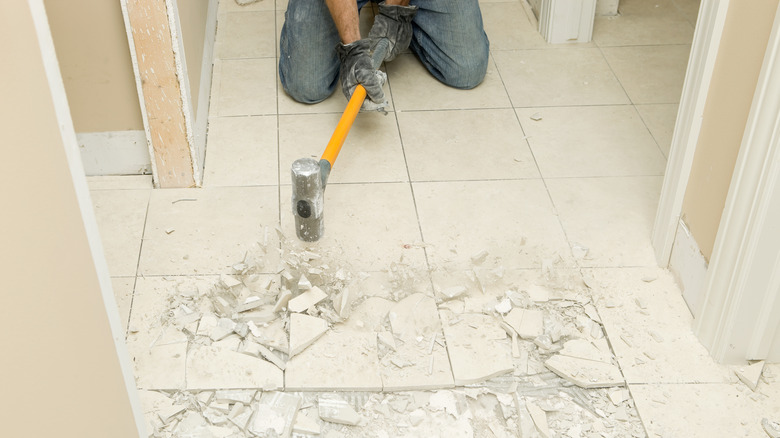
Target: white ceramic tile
[
  {"x": 465, "y": 145},
  {"x": 650, "y": 74},
  {"x": 613, "y": 217},
  {"x": 121, "y": 182},
  {"x": 704, "y": 411},
  {"x": 120, "y": 217},
  {"x": 339, "y": 361},
  {"x": 559, "y": 77},
  {"x": 244, "y": 87},
  {"x": 215, "y": 368},
  {"x": 211, "y": 233},
  {"x": 414, "y": 88},
  {"x": 643, "y": 23},
  {"x": 649, "y": 327},
  {"x": 689, "y": 9},
  {"x": 371, "y": 152},
  {"x": 512, "y": 220},
  {"x": 246, "y": 35},
  {"x": 478, "y": 348},
  {"x": 367, "y": 226},
  {"x": 509, "y": 28},
  {"x": 123, "y": 293},
  {"x": 591, "y": 141},
  {"x": 259, "y": 5},
  {"x": 241, "y": 151},
  {"x": 158, "y": 350},
  {"x": 660, "y": 119}
]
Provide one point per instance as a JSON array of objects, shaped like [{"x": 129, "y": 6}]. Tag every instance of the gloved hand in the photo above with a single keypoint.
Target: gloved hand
[
  {"x": 394, "y": 23},
  {"x": 357, "y": 68}
]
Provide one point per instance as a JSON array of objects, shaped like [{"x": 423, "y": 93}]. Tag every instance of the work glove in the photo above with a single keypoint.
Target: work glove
[
  {"x": 357, "y": 68},
  {"x": 394, "y": 23}
]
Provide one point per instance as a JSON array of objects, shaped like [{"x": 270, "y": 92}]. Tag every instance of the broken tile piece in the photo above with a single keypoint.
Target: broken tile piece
[
  {"x": 452, "y": 292},
  {"x": 304, "y": 284},
  {"x": 275, "y": 414},
  {"x": 271, "y": 357},
  {"x": 387, "y": 339},
  {"x": 540, "y": 419},
  {"x": 478, "y": 348},
  {"x": 344, "y": 360},
  {"x": 504, "y": 306},
  {"x": 750, "y": 374},
  {"x": 580, "y": 348},
  {"x": 335, "y": 409},
  {"x": 282, "y": 300},
  {"x": 585, "y": 373},
  {"x": 304, "y": 330},
  {"x": 538, "y": 293},
  {"x": 306, "y": 425},
  {"x": 414, "y": 316},
  {"x": 234, "y": 396},
  {"x": 212, "y": 367},
  {"x": 167, "y": 414},
  {"x": 306, "y": 300},
  {"x": 527, "y": 323},
  {"x": 342, "y": 302}
]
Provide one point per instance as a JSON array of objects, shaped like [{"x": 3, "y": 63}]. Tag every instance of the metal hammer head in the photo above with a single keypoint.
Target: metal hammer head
[{"x": 308, "y": 186}]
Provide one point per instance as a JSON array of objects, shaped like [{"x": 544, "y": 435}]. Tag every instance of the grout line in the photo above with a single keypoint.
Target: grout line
[{"x": 138, "y": 262}]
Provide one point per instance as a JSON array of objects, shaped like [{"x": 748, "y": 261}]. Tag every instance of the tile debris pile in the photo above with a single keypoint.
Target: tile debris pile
[{"x": 315, "y": 350}]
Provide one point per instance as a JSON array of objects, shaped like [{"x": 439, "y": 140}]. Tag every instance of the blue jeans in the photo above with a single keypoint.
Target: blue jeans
[{"x": 448, "y": 38}]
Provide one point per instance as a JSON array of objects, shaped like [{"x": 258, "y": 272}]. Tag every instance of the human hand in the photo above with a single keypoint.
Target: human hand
[
  {"x": 394, "y": 22},
  {"x": 358, "y": 68}
]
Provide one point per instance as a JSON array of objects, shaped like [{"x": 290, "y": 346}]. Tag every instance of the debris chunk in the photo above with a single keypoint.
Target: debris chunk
[
  {"x": 750, "y": 375},
  {"x": 387, "y": 339},
  {"x": 585, "y": 373},
  {"x": 304, "y": 330},
  {"x": 275, "y": 414},
  {"x": 479, "y": 257},
  {"x": 271, "y": 357},
  {"x": 582, "y": 349},
  {"x": 504, "y": 306},
  {"x": 451, "y": 293},
  {"x": 306, "y": 425},
  {"x": 234, "y": 396},
  {"x": 306, "y": 300},
  {"x": 540, "y": 419},
  {"x": 335, "y": 409},
  {"x": 304, "y": 284},
  {"x": 536, "y": 117},
  {"x": 282, "y": 300},
  {"x": 772, "y": 428},
  {"x": 527, "y": 323},
  {"x": 169, "y": 413}
]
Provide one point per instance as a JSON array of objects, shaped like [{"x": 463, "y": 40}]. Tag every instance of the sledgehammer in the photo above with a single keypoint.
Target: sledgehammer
[{"x": 309, "y": 176}]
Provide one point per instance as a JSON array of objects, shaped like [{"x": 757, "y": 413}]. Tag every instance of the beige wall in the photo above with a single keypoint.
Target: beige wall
[
  {"x": 192, "y": 16},
  {"x": 60, "y": 372},
  {"x": 94, "y": 57},
  {"x": 734, "y": 79}
]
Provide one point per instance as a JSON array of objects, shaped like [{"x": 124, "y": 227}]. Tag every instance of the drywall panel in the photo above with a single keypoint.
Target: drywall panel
[
  {"x": 91, "y": 44},
  {"x": 192, "y": 17},
  {"x": 734, "y": 79},
  {"x": 61, "y": 374}
]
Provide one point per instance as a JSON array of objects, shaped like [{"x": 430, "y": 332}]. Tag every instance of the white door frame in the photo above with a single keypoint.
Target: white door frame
[
  {"x": 704, "y": 51},
  {"x": 741, "y": 311}
]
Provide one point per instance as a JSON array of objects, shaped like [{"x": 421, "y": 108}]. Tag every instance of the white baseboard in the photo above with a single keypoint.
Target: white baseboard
[
  {"x": 689, "y": 268},
  {"x": 114, "y": 153}
]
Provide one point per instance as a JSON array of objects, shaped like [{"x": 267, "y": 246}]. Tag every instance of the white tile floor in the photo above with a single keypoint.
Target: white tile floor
[{"x": 444, "y": 175}]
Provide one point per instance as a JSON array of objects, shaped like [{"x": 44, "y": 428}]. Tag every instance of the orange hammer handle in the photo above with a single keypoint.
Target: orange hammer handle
[{"x": 342, "y": 129}]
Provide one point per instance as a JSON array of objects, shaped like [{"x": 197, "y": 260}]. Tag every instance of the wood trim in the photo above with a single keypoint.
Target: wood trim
[
  {"x": 706, "y": 42},
  {"x": 741, "y": 287},
  {"x": 161, "y": 90}
]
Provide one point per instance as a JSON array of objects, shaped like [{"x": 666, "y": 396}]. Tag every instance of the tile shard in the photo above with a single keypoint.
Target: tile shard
[
  {"x": 306, "y": 300},
  {"x": 304, "y": 330},
  {"x": 477, "y": 347},
  {"x": 212, "y": 367},
  {"x": 750, "y": 374},
  {"x": 304, "y": 424},
  {"x": 528, "y": 323},
  {"x": 585, "y": 373},
  {"x": 539, "y": 418},
  {"x": 275, "y": 414},
  {"x": 335, "y": 409}
]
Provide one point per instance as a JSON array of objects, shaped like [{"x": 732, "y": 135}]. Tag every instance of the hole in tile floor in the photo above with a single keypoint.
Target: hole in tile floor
[{"x": 315, "y": 348}]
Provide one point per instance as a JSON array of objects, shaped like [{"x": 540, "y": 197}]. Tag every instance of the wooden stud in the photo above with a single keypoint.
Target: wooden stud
[{"x": 160, "y": 89}]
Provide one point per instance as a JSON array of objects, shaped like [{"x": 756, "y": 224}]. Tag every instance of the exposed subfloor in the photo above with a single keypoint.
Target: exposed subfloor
[{"x": 486, "y": 268}]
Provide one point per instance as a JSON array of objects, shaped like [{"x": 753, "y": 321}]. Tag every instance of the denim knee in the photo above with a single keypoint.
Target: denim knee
[
  {"x": 468, "y": 71},
  {"x": 301, "y": 87}
]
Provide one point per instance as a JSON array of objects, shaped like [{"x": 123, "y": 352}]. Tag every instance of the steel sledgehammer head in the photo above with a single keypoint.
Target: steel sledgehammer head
[{"x": 308, "y": 186}]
